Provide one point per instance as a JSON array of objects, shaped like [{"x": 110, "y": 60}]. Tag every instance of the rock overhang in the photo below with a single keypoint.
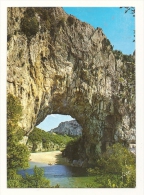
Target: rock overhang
[{"x": 70, "y": 68}]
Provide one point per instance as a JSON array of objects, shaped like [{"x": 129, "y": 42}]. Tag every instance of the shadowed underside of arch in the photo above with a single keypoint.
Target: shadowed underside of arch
[{"x": 70, "y": 68}]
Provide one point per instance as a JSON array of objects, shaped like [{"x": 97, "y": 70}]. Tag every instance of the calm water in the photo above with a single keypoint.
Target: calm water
[{"x": 65, "y": 176}]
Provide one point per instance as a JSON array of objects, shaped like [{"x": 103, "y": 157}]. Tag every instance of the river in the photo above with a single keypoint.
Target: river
[{"x": 65, "y": 176}]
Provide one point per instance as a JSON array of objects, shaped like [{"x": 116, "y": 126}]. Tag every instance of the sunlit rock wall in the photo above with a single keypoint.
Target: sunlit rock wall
[
  {"x": 70, "y": 68},
  {"x": 71, "y": 128}
]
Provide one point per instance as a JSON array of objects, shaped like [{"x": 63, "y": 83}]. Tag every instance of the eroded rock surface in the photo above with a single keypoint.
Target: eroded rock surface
[{"x": 68, "y": 67}]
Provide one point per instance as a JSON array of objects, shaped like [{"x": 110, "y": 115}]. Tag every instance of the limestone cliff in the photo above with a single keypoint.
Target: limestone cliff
[
  {"x": 71, "y": 128},
  {"x": 57, "y": 64}
]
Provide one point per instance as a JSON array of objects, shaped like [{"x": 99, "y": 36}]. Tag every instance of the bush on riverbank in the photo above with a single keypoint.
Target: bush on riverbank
[
  {"x": 116, "y": 168},
  {"x": 37, "y": 180}
]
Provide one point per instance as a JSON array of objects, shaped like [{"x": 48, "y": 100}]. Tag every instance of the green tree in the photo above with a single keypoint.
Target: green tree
[
  {"x": 17, "y": 153},
  {"x": 73, "y": 149},
  {"x": 14, "y": 180},
  {"x": 14, "y": 109},
  {"x": 35, "y": 137},
  {"x": 37, "y": 180},
  {"x": 116, "y": 159}
]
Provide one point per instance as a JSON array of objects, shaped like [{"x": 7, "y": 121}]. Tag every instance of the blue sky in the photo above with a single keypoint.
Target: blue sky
[
  {"x": 118, "y": 28},
  {"x": 53, "y": 120}
]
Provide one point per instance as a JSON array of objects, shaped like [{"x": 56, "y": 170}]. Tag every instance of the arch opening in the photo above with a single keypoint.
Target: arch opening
[
  {"x": 53, "y": 120},
  {"x": 61, "y": 124}
]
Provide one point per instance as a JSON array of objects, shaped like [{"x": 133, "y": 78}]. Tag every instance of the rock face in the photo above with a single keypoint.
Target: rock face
[
  {"x": 68, "y": 67},
  {"x": 71, "y": 128}
]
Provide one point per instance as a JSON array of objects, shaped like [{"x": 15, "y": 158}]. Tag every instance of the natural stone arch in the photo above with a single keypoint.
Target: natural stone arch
[{"x": 70, "y": 71}]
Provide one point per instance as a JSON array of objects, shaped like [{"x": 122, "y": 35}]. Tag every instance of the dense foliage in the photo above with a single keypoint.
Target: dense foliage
[
  {"x": 73, "y": 149},
  {"x": 50, "y": 141},
  {"x": 17, "y": 153},
  {"x": 116, "y": 168},
  {"x": 14, "y": 180},
  {"x": 37, "y": 180}
]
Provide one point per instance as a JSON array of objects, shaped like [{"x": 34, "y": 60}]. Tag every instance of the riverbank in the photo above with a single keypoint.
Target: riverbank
[{"x": 50, "y": 158}]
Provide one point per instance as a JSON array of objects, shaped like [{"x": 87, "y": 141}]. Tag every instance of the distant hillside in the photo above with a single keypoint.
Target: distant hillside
[
  {"x": 71, "y": 128},
  {"x": 40, "y": 140}
]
